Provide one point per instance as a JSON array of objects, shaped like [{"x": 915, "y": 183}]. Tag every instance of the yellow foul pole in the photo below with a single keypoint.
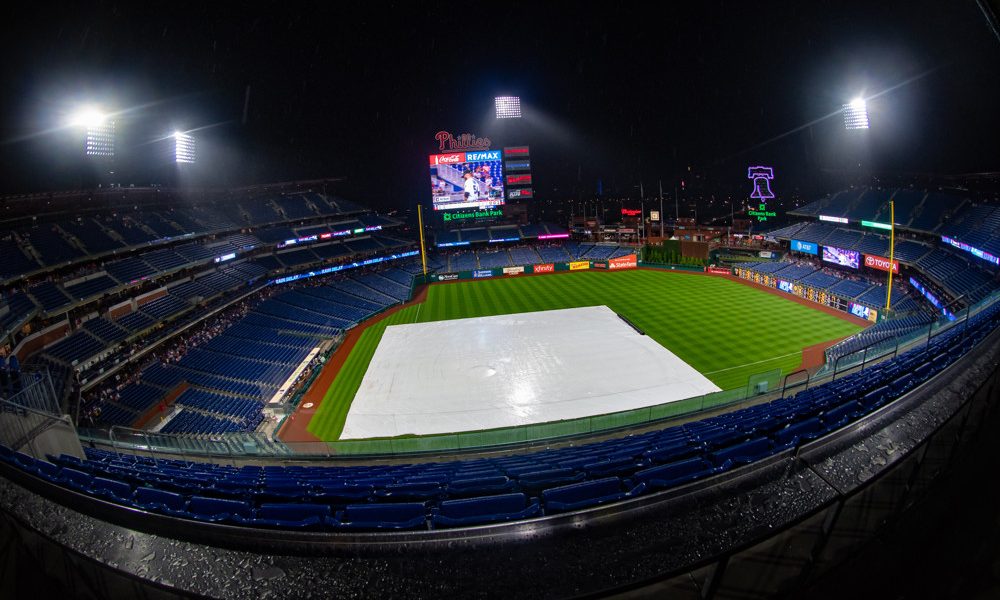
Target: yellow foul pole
[
  {"x": 892, "y": 247},
  {"x": 423, "y": 253}
]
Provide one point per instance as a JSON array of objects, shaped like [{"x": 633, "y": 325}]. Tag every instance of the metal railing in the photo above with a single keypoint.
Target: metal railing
[
  {"x": 35, "y": 391},
  {"x": 21, "y": 425}
]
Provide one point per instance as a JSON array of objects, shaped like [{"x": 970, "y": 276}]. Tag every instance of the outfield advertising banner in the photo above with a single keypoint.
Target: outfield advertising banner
[
  {"x": 881, "y": 263},
  {"x": 864, "y": 312},
  {"x": 544, "y": 268},
  {"x": 623, "y": 262},
  {"x": 345, "y": 266},
  {"x": 719, "y": 270},
  {"x": 974, "y": 251},
  {"x": 804, "y": 247},
  {"x": 860, "y": 310},
  {"x": 579, "y": 265},
  {"x": 482, "y": 274},
  {"x": 447, "y": 276},
  {"x": 599, "y": 265},
  {"x": 513, "y": 270}
]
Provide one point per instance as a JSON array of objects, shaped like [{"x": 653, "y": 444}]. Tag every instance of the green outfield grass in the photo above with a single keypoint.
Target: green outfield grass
[{"x": 724, "y": 329}]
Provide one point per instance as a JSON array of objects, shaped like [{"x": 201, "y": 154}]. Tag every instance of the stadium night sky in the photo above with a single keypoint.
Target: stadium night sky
[{"x": 619, "y": 94}]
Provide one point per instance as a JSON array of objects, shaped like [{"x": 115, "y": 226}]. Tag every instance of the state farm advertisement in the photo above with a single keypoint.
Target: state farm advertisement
[
  {"x": 881, "y": 263},
  {"x": 623, "y": 262},
  {"x": 544, "y": 268}
]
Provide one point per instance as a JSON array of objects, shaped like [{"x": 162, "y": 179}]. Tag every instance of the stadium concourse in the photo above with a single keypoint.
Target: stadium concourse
[{"x": 204, "y": 343}]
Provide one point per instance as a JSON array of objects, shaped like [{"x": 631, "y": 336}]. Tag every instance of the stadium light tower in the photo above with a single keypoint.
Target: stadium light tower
[
  {"x": 100, "y": 131},
  {"x": 184, "y": 148},
  {"x": 856, "y": 114},
  {"x": 508, "y": 107}
]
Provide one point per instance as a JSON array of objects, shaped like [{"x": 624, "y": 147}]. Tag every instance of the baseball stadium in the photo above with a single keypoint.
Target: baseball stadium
[{"x": 775, "y": 376}]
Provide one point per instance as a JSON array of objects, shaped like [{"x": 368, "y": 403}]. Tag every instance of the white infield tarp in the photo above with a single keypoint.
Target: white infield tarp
[{"x": 489, "y": 372}]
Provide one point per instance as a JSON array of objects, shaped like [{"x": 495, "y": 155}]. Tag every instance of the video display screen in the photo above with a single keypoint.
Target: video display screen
[
  {"x": 839, "y": 256},
  {"x": 467, "y": 180}
]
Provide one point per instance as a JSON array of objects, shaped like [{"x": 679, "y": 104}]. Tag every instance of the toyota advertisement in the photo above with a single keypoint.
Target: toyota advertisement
[
  {"x": 881, "y": 263},
  {"x": 471, "y": 179}
]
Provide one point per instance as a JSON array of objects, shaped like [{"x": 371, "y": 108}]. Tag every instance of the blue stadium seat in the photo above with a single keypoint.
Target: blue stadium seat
[
  {"x": 111, "y": 489},
  {"x": 293, "y": 516},
  {"x": 875, "y": 398},
  {"x": 480, "y": 486},
  {"x": 743, "y": 453},
  {"x": 75, "y": 479},
  {"x": 215, "y": 510},
  {"x": 405, "y": 515},
  {"x": 535, "y": 482},
  {"x": 587, "y": 494},
  {"x": 613, "y": 467},
  {"x": 673, "y": 474},
  {"x": 795, "y": 433},
  {"x": 488, "y": 509},
  {"x": 157, "y": 500},
  {"x": 840, "y": 415},
  {"x": 413, "y": 491}
]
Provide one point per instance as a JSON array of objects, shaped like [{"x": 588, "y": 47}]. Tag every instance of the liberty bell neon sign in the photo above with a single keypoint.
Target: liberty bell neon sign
[{"x": 761, "y": 177}]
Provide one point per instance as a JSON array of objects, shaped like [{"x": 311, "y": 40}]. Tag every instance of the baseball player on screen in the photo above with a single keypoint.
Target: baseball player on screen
[{"x": 471, "y": 188}]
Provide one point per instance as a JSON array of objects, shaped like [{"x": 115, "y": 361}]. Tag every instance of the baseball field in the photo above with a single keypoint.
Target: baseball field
[{"x": 724, "y": 329}]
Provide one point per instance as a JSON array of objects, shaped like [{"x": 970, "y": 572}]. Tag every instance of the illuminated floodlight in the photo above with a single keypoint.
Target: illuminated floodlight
[
  {"x": 508, "y": 107},
  {"x": 856, "y": 114},
  {"x": 99, "y": 139},
  {"x": 88, "y": 116},
  {"x": 183, "y": 147}
]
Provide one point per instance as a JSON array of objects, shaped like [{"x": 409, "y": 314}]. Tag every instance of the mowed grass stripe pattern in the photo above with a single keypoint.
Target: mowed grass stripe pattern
[{"x": 724, "y": 329}]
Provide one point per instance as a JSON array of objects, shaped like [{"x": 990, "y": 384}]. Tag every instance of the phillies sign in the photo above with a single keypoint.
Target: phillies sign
[
  {"x": 465, "y": 141},
  {"x": 880, "y": 263}
]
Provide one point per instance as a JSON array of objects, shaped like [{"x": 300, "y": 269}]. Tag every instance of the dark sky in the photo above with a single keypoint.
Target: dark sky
[{"x": 618, "y": 93}]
